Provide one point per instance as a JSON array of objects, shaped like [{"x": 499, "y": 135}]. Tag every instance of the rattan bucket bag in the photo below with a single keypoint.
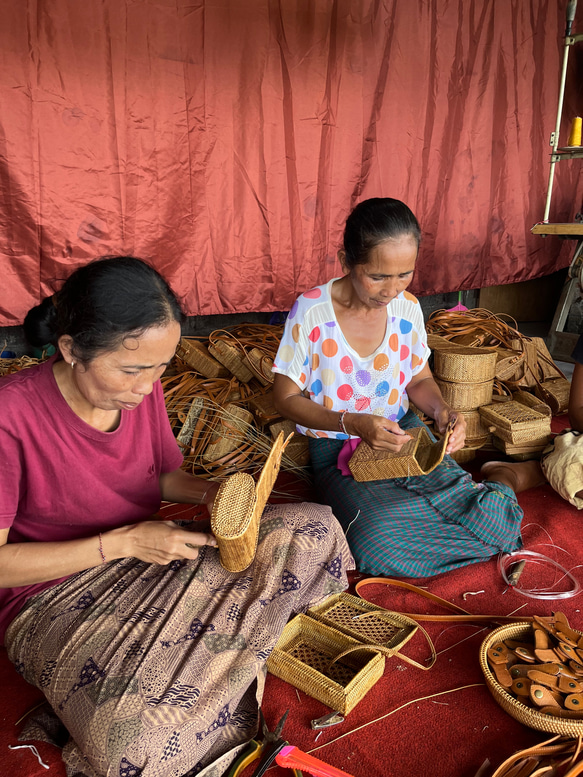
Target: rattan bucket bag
[{"x": 238, "y": 507}]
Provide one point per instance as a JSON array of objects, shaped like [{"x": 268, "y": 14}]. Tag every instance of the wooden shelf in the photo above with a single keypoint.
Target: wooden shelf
[{"x": 572, "y": 229}]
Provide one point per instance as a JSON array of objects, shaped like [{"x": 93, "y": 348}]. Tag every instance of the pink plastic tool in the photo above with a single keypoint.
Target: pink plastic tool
[{"x": 292, "y": 758}]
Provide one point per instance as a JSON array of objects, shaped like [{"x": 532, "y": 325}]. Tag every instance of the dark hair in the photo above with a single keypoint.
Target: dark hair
[
  {"x": 102, "y": 303},
  {"x": 374, "y": 221}
]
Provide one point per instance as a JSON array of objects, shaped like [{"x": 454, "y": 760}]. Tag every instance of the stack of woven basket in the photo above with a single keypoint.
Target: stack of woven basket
[{"x": 525, "y": 377}]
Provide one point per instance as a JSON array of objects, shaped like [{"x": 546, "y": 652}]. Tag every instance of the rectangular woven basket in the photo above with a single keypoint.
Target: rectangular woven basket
[
  {"x": 197, "y": 356},
  {"x": 516, "y": 423},
  {"x": 304, "y": 656},
  {"x": 419, "y": 456}
]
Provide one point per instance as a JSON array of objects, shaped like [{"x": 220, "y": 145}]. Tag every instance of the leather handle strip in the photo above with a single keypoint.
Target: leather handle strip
[{"x": 464, "y": 617}]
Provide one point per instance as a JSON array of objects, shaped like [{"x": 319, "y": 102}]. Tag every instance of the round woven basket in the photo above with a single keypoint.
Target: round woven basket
[
  {"x": 526, "y": 715},
  {"x": 466, "y": 396},
  {"x": 465, "y": 365}
]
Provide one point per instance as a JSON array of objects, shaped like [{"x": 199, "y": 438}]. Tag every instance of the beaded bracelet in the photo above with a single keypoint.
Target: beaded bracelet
[
  {"x": 341, "y": 422},
  {"x": 101, "y": 553}
]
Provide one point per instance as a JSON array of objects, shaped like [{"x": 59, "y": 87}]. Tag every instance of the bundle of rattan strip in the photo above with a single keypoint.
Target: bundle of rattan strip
[
  {"x": 522, "y": 362},
  {"x": 8, "y": 366}
]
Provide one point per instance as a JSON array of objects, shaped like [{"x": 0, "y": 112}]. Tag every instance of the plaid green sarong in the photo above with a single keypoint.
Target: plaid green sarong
[{"x": 417, "y": 526}]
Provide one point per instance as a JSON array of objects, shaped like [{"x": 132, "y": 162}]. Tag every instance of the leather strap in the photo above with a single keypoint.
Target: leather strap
[{"x": 464, "y": 617}]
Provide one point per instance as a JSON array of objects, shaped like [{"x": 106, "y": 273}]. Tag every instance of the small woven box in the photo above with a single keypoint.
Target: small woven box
[
  {"x": 197, "y": 356},
  {"x": 364, "y": 621},
  {"x": 516, "y": 423},
  {"x": 306, "y": 656},
  {"x": 419, "y": 456}
]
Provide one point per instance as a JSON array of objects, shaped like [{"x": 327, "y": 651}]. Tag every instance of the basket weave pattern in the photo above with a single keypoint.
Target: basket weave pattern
[
  {"x": 419, "y": 456},
  {"x": 305, "y": 657}
]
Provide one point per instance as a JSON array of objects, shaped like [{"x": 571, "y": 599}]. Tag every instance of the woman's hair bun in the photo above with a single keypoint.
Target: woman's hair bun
[{"x": 40, "y": 324}]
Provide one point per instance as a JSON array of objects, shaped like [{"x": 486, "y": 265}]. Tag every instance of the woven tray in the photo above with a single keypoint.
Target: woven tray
[
  {"x": 304, "y": 656},
  {"x": 516, "y": 423},
  {"x": 465, "y": 365},
  {"x": 466, "y": 396},
  {"x": 528, "y": 716},
  {"x": 238, "y": 508},
  {"x": 419, "y": 456}
]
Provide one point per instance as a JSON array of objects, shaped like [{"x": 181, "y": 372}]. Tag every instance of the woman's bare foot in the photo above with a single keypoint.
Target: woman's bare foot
[{"x": 519, "y": 476}]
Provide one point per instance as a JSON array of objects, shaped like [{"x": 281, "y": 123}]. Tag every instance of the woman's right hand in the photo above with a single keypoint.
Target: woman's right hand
[
  {"x": 380, "y": 433},
  {"x": 155, "y": 542}
]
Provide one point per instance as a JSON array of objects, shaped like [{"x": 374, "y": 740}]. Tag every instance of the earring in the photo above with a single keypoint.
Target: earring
[{"x": 72, "y": 365}]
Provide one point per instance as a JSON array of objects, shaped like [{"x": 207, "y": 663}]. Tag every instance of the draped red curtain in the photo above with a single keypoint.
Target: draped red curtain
[{"x": 227, "y": 141}]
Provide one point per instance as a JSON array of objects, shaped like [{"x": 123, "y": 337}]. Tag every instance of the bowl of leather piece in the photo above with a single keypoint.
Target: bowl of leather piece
[{"x": 535, "y": 673}]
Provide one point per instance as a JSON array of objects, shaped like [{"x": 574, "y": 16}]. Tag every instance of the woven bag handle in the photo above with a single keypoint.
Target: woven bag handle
[{"x": 462, "y": 616}]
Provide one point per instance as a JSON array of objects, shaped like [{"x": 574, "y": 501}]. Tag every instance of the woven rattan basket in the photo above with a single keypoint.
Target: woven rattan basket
[
  {"x": 419, "y": 456},
  {"x": 465, "y": 365},
  {"x": 528, "y": 716},
  {"x": 231, "y": 358},
  {"x": 466, "y": 396},
  {"x": 304, "y": 656},
  {"x": 516, "y": 423},
  {"x": 197, "y": 356},
  {"x": 477, "y": 434},
  {"x": 364, "y": 621},
  {"x": 237, "y": 510}
]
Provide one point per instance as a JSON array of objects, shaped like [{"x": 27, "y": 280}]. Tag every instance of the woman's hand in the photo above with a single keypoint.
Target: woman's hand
[
  {"x": 155, "y": 542},
  {"x": 457, "y": 437},
  {"x": 380, "y": 433}
]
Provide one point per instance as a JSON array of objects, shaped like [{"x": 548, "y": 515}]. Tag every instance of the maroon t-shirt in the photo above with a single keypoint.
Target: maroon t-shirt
[{"x": 61, "y": 479}]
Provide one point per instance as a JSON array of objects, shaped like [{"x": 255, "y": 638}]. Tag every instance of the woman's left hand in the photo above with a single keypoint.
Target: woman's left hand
[{"x": 457, "y": 437}]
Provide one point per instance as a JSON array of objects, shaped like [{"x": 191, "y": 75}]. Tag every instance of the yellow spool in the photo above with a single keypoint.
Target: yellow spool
[{"x": 575, "y": 136}]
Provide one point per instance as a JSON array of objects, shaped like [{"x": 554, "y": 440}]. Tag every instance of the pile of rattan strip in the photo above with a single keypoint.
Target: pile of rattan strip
[{"x": 220, "y": 402}]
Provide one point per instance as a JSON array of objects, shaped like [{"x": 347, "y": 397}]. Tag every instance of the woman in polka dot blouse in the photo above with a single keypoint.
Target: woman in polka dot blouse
[{"x": 354, "y": 351}]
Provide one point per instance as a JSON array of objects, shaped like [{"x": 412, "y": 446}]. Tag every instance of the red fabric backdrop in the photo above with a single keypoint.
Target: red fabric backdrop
[{"x": 227, "y": 141}]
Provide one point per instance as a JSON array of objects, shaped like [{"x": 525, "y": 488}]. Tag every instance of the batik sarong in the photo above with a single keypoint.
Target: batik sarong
[{"x": 157, "y": 671}]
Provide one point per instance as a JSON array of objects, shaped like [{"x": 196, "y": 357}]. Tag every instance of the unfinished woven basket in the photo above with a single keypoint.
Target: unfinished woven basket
[
  {"x": 465, "y": 365},
  {"x": 238, "y": 508},
  {"x": 419, "y": 456},
  {"x": 305, "y": 656},
  {"x": 528, "y": 716}
]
